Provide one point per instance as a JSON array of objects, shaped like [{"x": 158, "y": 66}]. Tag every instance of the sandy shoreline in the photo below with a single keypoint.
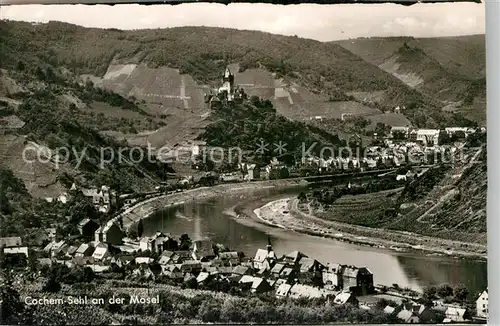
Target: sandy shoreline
[
  {"x": 284, "y": 213},
  {"x": 148, "y": 207}
]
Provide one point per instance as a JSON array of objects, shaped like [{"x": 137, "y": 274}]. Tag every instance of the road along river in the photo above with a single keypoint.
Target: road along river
[{"x": 225, "y": 219}]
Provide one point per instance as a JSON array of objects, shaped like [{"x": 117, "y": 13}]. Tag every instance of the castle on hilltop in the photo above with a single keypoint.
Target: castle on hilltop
[{"x": 228, "y": 92}]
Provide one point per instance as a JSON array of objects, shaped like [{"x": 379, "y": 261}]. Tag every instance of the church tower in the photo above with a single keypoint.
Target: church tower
[{"x": 269, "y": 246}]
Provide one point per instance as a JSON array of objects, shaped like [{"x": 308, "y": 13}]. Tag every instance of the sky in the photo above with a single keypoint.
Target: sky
[{"x": 319, "y": 22}]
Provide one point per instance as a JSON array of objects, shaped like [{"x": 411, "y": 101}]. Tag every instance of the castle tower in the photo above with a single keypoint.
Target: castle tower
[{"x": 227, "y": 85}]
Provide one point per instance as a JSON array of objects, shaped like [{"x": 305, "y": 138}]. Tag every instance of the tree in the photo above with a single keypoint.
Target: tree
[
  {"x": 20, "y": 66},
  {"x": 430, "y": 292},
  {"x": 140, "y": 228},
  {"x": 302, "y": 196},
  {"x": 11, "y": 307},
  {"x": 445, "y": 291},
  {"x": 209, "y": 311},
  {"x": 185, "y": 242},
  {"x": 460, "y": 292},
  {"x": 52, "y": 285}
]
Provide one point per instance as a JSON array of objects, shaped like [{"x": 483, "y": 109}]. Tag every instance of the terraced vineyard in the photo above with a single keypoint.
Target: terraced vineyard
[{"x": 366, "y": 209}]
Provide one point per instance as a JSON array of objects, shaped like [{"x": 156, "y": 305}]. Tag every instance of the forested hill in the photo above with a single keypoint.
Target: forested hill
[{"x": 326, "y": 69}]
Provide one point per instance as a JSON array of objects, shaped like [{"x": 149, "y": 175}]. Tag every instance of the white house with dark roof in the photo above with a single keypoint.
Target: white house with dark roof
[
  {"x": 455, "y": 314},
  {"x": 101, "y": 253},
  {"x": 109, "y": 233},
  {"x": 482, "y": 305}
]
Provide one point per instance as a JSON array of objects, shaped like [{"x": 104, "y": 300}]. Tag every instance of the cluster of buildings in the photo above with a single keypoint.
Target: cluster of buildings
[
  {"x": 104, "y": 199},
  {"x": 431, "y": 137},
  {"x": 161, "y": 256},
  {"x": 294, "y": 275}
]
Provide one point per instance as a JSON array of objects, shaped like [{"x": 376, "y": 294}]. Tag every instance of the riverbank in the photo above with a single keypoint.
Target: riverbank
[
  {"x": 146, "y": 208},
  {"x": 284, "y": 213}
]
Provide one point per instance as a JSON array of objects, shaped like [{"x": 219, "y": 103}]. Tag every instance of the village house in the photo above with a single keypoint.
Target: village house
[
  {"x": 482, "y": 305},
  {"x": 293, "y": 257},
  {"x": 110, "y": 233},
  {"x": 408, "y": 316},
  {"x": 55, "y": 248},
  {"x": 13, "y": 245},
  {"x": 190, "y": 266},
  {"x": 424, "y": 314},
  {"x": 250, "y": 171},
  {"x": 283, "y": 290},
  {"x": 357, "y": 280},
  {"x": 231, "y": 258},
  {"x": 346, "y": 298},
  {"x": 332, "y": 276},
  {"x": 143, "y": 260},
  {"x": 288, "y": 274},
  {"x": 103, "y": 200},
  {"x": 180, "y": 256},
  {"x": 202, "y": 250},
  {"x": 70, "y": 251},
  {"x": 10, "y": 242},
  {"x": 236, "y": 176},
  {"x": 241, "y": 270},
  {"x": 310, "y": 272},
  {"x": 454, "y": 314},
  {"x": 172, "y": 272},
  {"x": 123, "y": 260},
  {"x": 165, "y": 257},
  {"x": 84, "y": 250},
  {"x": 304, "y": 291},
  {"x": 204, "y": 278},
  {"x": 87, "y": 228},
  {"x": 157, "y": 243},
  {"x": 427, "y": 137},
  {"x": 278, "y": 282},
  {"x": 265, "y": 259},
  {"x": 277, "y": 269},
  {"x": 101, "y": 253},
  {"x": 44, "y": 262},
  {"x": 255, "y": 284},
  {"x": 389, "y": 310}
]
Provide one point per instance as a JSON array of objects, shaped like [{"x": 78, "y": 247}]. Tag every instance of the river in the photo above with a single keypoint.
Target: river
[{"x": 210, "y": 219}]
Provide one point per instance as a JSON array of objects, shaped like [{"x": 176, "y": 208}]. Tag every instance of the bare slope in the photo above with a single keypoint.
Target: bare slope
[{"x": 449, "y": 204}]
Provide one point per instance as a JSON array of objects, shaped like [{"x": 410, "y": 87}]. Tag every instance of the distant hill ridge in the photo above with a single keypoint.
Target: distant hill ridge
[
  {"x": 323, "y": 68},
  {"x": 450, "y": 69}
]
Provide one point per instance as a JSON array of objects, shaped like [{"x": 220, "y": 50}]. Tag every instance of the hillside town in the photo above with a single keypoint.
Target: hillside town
[
  {"x": 345, "y": 182},
  {"x": 160, "y": 258}
]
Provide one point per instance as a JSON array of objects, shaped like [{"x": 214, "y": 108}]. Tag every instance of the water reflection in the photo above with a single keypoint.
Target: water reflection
[{"x": 209, "y": 220}]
